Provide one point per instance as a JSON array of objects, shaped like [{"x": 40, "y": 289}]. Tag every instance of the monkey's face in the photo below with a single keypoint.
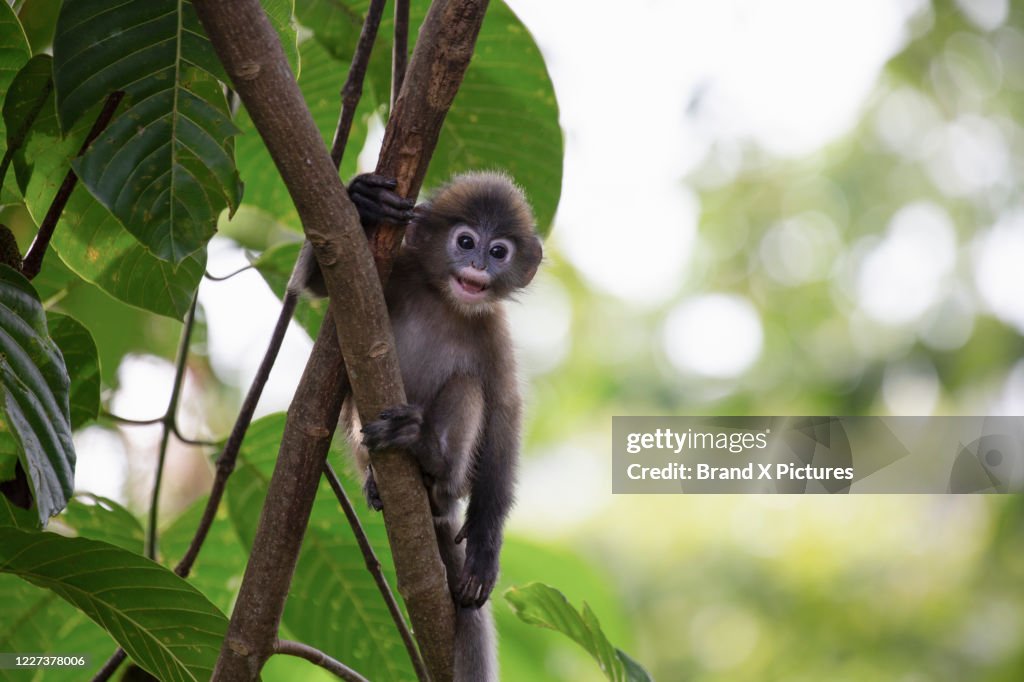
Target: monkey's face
[
  {"x": 476, "y": 240},
  {"x": 478, "y": 265}
]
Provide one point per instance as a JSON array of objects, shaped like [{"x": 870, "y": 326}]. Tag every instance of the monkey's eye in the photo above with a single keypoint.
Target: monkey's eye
[
  {"x": 499, "y": 251},
  {"x": 465, "y": 242}
]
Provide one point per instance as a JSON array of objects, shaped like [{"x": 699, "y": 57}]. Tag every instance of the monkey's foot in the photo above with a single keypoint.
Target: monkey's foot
[
  {"x": 479, "y": 574},
  {"x": 370, "y": 491},
  {"x": 377, "y": 203},
  {"x": 395, "y": 428}
]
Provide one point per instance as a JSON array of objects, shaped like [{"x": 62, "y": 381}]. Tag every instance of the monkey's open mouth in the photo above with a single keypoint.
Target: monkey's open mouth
[{"x": 469, "y": 290}]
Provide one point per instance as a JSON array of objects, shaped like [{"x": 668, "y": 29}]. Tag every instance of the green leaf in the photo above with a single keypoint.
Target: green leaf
[
  {"x": 79, "y": 351},
  {"x": 29, "y": 92},
  {"x": 165, "y": 625},
  {"x": 539, "y": 604},
  {"x": 14, "y": 52},
  {"x": 275, "y": 266},
  {"x": 333, "y": 604},
  {"x": 280, "y": 14},
  {"x": 218, "y": 571},
  {"x": 505, "y": 115},
  {"x": 32, "y": 619},
  {"x": 90, "y": 240},
  {"x": 15, "y": 516},
  {"x": 39, "y": 19},
  {"x": 99, "y": 518},
  {"x": 165, "y": 165},
  {"x": 35, "y": 382}
]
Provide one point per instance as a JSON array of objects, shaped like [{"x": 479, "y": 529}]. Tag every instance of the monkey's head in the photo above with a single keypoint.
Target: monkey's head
[{"x": 476, "y": 240}]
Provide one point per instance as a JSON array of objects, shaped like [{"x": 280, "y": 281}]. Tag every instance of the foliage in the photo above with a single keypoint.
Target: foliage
[
  {"x": 544, "y": 606},
  {"x": 152, "y": 186}
]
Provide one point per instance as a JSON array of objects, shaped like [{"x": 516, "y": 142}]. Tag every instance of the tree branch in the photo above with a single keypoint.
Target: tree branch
[
  {"x": 249, "y": 49},
  {"x": 318, "y": 658},
  {"x": 353, "y": 88},
  {"x": 399, "y": 49},
  {"x": 168, "y": 426},
  {"x": 373, "y": 566}
]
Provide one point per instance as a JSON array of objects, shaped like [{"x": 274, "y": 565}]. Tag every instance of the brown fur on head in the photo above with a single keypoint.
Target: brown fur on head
[{"x": 485, "y": 210}]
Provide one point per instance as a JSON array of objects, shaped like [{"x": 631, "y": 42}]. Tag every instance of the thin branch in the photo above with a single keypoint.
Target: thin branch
[
  {"x": 353, "y": 88},
  {"x": 373, "y": 566},
  {"x": 400, "y": 49},
  {"x": 190, "y": 441},
  {"x": 111, "y": 666},
  {"x": 229, "y": 455},
  {"x": 172, "y": 409},
  {"x": 318, "y": 658},
  {"x": 132, "y": 422},
  {"x": 36, "y": 252},
  {"x": 214, "y": 278}
]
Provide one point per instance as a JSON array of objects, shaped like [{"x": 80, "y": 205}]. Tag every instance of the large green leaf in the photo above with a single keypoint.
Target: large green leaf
[
  {"x": 34, "y": 405},
  {"x": 14, "y": 52},
  {"x": 32, "y": 619},
  {"x": 79, "y": 351},
  {"x": 90, "y": 240},
  {"x": 333, "y": 604},
  {"x": 539, "y": 604},
  {"x": 29, "y": 93},
  {"x": 218, "y": 571},
  {"x": 505, "y": 115},
  {"x": 164, "y": 166},
  {"x": 165, "y": 625},
  {"x": 99, "y": 518}
]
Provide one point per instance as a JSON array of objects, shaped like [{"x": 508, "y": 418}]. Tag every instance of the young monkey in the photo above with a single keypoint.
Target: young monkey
[{"x": 469, "y": 248}]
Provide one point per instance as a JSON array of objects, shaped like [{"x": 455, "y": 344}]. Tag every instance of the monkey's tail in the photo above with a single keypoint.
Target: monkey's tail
[
  {"x": 476, "y": 641},
  {"x": 476, "y": 645}
]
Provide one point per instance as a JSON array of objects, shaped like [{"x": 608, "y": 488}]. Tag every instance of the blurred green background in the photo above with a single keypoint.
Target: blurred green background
[{"x": 705, "y": 260}]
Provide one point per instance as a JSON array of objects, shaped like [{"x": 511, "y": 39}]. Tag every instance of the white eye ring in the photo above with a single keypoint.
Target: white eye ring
[
  {"x": 506, "y": 245},
  {"x": 461, "y": 231}
]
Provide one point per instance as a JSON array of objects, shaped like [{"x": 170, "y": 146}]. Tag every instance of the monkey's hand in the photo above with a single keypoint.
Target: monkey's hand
[
  {"x": 376, "y": 201},
  {"x": 395, "y": 428},
  {"x": 478, "y": 576},
  {"x": 402, "y": 427}
]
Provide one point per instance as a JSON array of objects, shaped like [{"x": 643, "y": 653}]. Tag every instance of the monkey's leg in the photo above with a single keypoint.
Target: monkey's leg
[{"x": 442, "y": 438}]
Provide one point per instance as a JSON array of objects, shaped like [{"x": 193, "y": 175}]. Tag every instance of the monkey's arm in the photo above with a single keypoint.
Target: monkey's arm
[{"x": 490, "y": 500}]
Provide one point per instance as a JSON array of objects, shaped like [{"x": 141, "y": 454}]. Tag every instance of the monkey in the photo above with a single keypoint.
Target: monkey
[{"x": 469, "y": 248}]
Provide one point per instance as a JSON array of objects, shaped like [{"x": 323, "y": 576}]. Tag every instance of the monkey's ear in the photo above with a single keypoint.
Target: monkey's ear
[{"x": 533, "y": 254}]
